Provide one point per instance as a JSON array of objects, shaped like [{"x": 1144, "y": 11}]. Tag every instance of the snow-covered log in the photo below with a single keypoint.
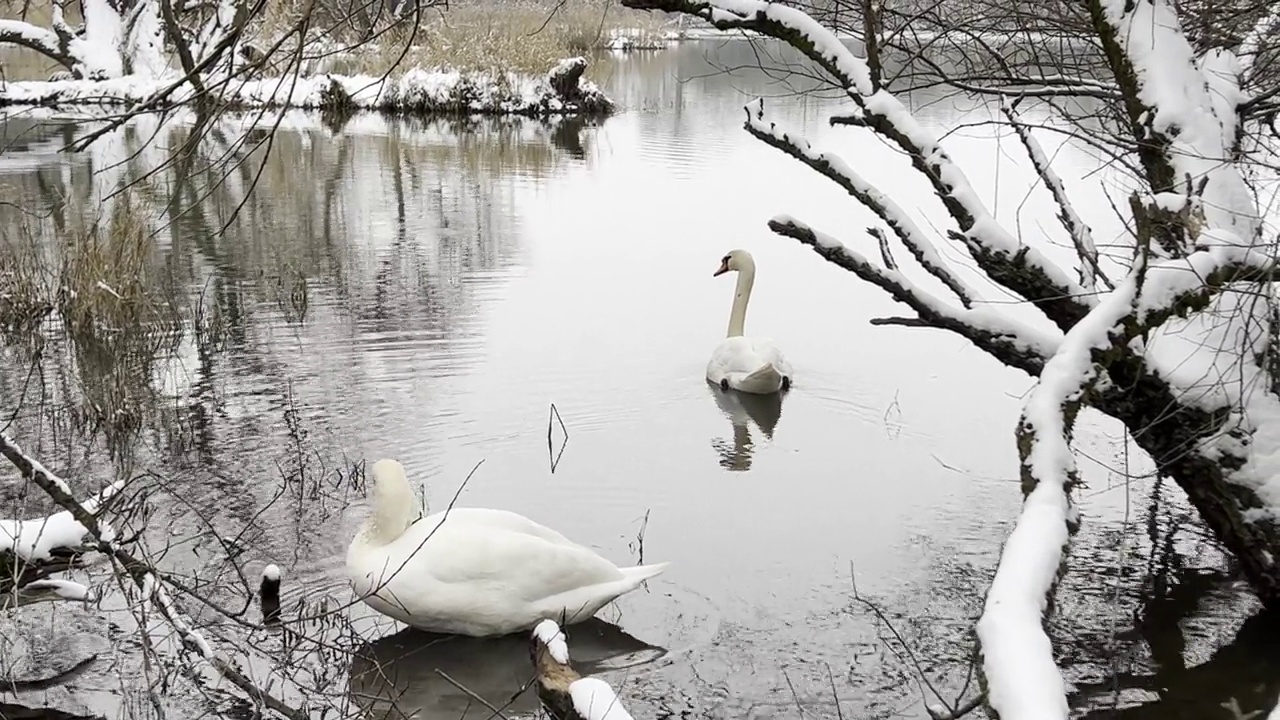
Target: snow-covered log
[{"x": 415, "y": 92}]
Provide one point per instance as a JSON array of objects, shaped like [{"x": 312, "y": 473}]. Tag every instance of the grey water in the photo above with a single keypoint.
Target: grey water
[{"x": 430, "y": 290}]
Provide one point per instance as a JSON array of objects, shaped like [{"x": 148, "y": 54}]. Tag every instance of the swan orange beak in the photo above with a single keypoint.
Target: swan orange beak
[{"x": 724, "y": 268}]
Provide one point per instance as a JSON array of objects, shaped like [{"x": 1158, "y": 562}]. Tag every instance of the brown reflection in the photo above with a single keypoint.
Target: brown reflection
[
  {"x": 742, "y": 409},
  {"x": 400, "y": 675}
]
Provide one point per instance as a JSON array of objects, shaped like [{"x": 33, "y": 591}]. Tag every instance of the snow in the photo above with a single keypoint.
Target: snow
[
  {"x": 64, "y": 589},
  {"x": 1171, "y": 201},
  {"x": 1023, "y": 681},
  {"x": 30, "y": 34},
  {"x": 595, "y": 700},
  {"x": 103, "y": 39},
  {"x": 37, "y": 539},
  {"x": 1191, "y": 105},
  {"x": 271, "y": 573},
  {"x": 1168, "y": 280},
  {"x": 145, "y": 45},
  {"x": 549, "y": 633}
]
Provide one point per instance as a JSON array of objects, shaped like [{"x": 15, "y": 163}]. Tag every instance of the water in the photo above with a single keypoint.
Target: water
[{"x": 429, "y": 292}]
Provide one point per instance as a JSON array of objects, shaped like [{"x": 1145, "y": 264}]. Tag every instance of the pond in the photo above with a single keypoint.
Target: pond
[{"x": 431, "y": 291}]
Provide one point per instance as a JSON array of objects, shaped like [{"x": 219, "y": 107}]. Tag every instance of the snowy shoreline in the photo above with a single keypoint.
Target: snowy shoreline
[{"x": 562, "y": 91}]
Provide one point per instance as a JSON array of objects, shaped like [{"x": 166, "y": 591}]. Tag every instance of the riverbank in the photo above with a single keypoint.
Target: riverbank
[{"x": 561, "y": 91}]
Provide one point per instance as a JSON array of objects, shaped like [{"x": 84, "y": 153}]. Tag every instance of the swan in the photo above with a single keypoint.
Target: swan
[
  {"x": 474, "y": 571},
  {"x": 745, "y": 364}
]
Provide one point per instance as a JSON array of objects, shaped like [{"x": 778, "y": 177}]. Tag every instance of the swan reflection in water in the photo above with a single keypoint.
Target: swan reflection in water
[
  {"x": 742, "y": 409},
  {"x": 399, "y": 675}
]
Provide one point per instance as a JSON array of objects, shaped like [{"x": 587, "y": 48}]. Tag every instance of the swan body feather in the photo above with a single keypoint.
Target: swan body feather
[
  {"x": 476, "y": 571},
  {"x": 750, "y": 365}
]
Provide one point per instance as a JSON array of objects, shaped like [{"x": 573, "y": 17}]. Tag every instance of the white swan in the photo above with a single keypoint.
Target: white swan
[
  {"x": 750, "y": 365},
  {"x": 482, "y": 572}
]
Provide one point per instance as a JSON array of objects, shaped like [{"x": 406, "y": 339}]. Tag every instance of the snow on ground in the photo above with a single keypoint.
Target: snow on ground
[{"x": 415, "y": 91}]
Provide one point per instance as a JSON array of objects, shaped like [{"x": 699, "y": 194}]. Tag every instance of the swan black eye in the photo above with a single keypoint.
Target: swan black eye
[{"x": 724, "y": 259}]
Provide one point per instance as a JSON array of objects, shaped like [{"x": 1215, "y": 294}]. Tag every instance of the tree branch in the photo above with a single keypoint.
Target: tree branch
[
  {"x": 46, "y": 42},
  {"x": 1023, "y": 681},
  {"x": 834, "y": 168},
  {"x": 1076, "y": 227},
  {"x": 1011, "y": 342}
]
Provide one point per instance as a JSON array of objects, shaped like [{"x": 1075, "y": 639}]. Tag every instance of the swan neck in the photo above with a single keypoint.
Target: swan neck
[
  {"x": 393, "y": 509},
  {"x": 741, "y": 296}
]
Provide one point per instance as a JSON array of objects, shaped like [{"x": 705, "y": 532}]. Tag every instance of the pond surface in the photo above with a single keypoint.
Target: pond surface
[{"x": 429, "y": 291}]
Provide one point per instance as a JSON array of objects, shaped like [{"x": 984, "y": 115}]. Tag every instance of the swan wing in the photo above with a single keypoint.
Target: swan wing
[
  {"x": 526, "y": 567},
  {"x": 500, "y": 519}
]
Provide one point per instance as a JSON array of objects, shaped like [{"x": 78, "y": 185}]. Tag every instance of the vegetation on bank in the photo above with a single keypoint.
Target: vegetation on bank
[
  {"x": 525, "y": 36},
  {"x": 469, "y": 57}
]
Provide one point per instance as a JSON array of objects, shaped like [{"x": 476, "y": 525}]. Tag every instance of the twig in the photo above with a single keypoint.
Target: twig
[{"x": 473, "y": 696}]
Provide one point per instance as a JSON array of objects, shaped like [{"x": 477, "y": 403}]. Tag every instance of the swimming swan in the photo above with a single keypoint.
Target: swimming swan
[
  {"x": 482, "y": 572},
  {"x": 749, "y": 365}
]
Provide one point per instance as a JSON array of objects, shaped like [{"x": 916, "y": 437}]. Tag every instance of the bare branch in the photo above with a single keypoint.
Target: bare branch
[{"x": 1076, "y": 227}]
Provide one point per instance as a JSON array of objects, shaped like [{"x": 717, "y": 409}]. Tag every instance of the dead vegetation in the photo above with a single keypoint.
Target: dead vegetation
[
  {"x": 526, "y": 36},
  {"x": 99, "y": 286}
]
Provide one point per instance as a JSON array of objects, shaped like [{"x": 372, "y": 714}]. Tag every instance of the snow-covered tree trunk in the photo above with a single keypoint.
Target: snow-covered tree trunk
[{"x": 1193, "y": 301}]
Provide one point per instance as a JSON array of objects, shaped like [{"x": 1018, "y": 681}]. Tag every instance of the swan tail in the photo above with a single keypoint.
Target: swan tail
[
  {"x": 640, "y": 573},
  {"x": 761, "y": 382}
]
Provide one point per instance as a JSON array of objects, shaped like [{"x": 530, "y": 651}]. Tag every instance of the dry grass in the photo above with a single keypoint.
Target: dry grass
[
  {"x": 104, "y": 280},
  {"x": 524, "y": 36}
]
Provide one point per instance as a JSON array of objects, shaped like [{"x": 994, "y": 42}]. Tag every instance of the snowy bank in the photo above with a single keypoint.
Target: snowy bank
[{"x": 562, "y": 91}]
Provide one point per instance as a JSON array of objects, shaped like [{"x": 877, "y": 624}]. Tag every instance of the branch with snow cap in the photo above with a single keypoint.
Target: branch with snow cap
[
  {"x": 141, "y": 572},
  {"x": 1184, "y": 114},
  {"x": 1076, "y": 227},
  {"x": 835, "y": 168},
  {"x": 1014, "y": 343},
  {"x": 1021, "y": 677}
]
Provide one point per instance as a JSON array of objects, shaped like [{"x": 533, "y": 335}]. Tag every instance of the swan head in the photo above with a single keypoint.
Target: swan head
[{"x": 735, "y": 260}]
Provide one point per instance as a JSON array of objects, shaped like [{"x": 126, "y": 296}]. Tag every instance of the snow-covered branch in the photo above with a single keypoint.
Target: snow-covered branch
[
  {"x": 1184, "y": 114},
  {"x": 898, "y": 220},
  {"x": 1075, "y": 226},
  {"x": 1023, "y": 270},
  {"x": 140, "y": 571},
  {"x": 49, "y": 43},
  {"x": 1023, "y": 680},
  {"x": 1013, "y": 343}
]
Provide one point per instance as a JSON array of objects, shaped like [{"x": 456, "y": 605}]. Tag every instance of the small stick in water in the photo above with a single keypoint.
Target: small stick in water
[{"x": 269, "y": 594}]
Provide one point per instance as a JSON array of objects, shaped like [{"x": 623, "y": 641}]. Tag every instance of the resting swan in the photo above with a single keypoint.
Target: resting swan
[
  {"x": 483, "y": 572},
  {"x": 749, "y": 365}
]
